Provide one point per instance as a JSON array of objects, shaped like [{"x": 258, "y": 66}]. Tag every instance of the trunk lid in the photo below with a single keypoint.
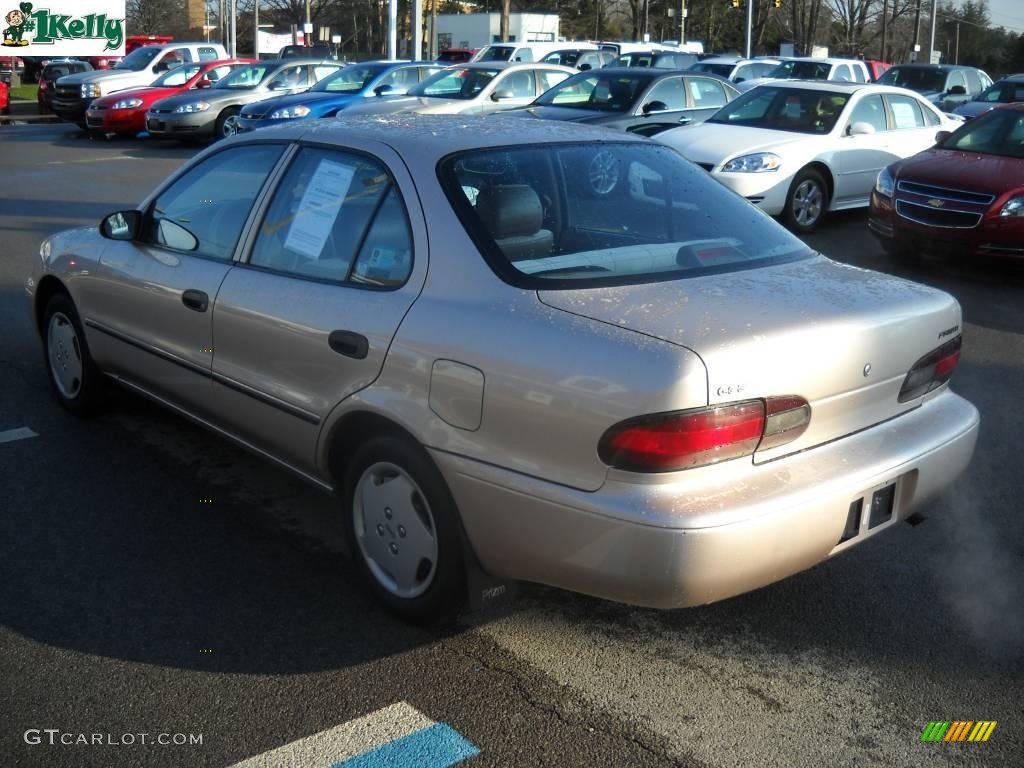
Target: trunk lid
[{"x": 841, "y": 337}]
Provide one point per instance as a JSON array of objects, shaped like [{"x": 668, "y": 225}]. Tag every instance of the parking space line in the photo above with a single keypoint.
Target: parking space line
[
  {"x": 21, "y": 433},
  {"x": 398, "y": 735}
]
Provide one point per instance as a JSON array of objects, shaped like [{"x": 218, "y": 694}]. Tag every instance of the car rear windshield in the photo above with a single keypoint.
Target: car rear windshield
[
  {"x": 455, "y": 83},
  {"x": 244, "y": 78},
  {"x": 350, "y": 79},
  {"x": 596, "y": 90},
  {"x": 593, "y": 214},
  {"x": 998, "y": 132},
  {"x": 138, "y": 59},
  {"x": 920, "y": 80},
  {"x": 801, "y": 70},
  {"x": 784, "y": 109},
  {"x": 496, "y": 53},
  {"x": 722, "y": 70}
]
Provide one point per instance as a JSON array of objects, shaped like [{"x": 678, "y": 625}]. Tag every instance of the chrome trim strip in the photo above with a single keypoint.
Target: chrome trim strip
[
  {"x": 899, "y": 211},
  {"x": 981, "y": 197},
  {"x": 281, "y": 405}
]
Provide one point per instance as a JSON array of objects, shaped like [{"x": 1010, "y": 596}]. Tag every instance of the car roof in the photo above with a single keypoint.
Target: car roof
[
  {"x": 835, "y": 86},
  {"x": 936, "y": 67},
  {"x": 436, "y": 136}
]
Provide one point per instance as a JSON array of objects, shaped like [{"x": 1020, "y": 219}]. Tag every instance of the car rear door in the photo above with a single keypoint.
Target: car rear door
[
  {"x": 149, "y": 315},
  {"x": 912, "y": 132},
  {"x": 306, "y": 318}
]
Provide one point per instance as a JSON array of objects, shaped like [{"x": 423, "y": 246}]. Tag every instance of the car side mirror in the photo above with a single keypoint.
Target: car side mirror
[
  {"x": 585, "y": 67},
  {"x": 957, "y": 90},
  {"x": 941, "y": 136},
  {"x": 860, "y": 129},
  {"x": 654, "y": 106},
  {"x": 380, "y": 90},
  {"x": 739, "y": 79},
  {"x": 123, "y": 225},
  {"x": 204, "y": 83},
  {"x": 503, "y": 94}
]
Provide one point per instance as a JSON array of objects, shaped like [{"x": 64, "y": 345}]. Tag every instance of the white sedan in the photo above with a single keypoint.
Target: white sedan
[{"x": 800, "y": 148}]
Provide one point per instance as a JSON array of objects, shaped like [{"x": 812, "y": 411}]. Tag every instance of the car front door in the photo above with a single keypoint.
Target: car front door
[
  {"x": 150, "y": 317},
  {"x": 952, "y": 100},
  {"x": 307, "y": 317},
  {"x": 862, "y": 155},
  {"x": 911, "y": 131},
  {"x": 663, "y": 106},
  {"x": 511, "y": 89}
]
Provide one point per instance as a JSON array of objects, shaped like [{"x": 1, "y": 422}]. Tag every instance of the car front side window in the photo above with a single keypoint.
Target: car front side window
[
  {"x": 203, "y": 211},
  {"x": 869, "y": 110},
  {"x": 336, "y": 217}
]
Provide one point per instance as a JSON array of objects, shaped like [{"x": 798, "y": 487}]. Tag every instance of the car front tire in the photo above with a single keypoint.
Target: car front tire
[
  {"x": 75, "y": 381},
  {"x": 404, "y": 530},
  {"x": 806, "y": 202},
  {"x": 227, "y": 123}
]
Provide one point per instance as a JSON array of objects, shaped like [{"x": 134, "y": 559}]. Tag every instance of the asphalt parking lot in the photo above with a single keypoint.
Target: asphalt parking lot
[{"x": 157, "y": 580}]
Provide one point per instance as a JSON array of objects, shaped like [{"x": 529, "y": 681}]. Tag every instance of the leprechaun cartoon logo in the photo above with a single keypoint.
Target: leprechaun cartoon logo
[{"x": 20, "y": 21}]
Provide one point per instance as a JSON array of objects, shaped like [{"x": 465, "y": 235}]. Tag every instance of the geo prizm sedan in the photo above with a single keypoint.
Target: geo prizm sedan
[{"x": 562, "y": 354}]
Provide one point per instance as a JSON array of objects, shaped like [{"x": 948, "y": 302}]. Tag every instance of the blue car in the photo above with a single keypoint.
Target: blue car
[{"x": 351, "y": 84}]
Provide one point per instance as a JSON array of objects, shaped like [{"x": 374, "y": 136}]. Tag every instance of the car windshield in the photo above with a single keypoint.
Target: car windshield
[
  {"x": 138, "y": 59},
  {"x": 722, "y": 70},
  {"x": 244, "y": 78},
  {"x": 351, "y": 79},
  {"x": 784, "y": 109},
  {"x": 998, "y": 132},
  {"x": 178, "y": 75},
  {"x": 1004, "y": 92},
  {"x": 462, "y": 83},
  {"x": 596, "y": 90},
  {"x": 564, "y": 58},
  {"x": 801, "y": 70},
  {"x": 920, "y": 80},
  {"x": 496, "y": 53},
  {"x": 592, "y": 214}
]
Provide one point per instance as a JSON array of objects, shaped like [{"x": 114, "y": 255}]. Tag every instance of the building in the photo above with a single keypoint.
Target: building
[{"x": 475, "y": 30}]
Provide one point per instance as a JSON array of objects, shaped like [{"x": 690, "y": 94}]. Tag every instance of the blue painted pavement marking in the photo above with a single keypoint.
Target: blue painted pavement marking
[{"x": 437, "y": 746}]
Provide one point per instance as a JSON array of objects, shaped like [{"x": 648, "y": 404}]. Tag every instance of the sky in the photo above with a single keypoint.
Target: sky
[{"x": 1007, "y": 13}]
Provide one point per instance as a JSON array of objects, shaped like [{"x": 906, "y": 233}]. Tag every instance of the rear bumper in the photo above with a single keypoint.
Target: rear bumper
[{"x": 695, "y": 538}]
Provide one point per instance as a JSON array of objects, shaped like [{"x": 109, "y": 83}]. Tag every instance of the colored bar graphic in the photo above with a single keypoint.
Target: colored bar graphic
[
  {"x": 958, "y": 730},
  {"x": 438, "y": 746}
]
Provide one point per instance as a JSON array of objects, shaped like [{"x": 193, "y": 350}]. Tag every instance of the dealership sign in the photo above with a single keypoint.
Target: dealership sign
[{"x": 55, "y": 28}]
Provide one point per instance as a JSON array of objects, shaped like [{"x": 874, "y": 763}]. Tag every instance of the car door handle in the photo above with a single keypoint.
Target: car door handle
[
  {"x": 349, "y": 344},
  {"x": 196, "y": 300},
  {"x": 685, "y": 119}
]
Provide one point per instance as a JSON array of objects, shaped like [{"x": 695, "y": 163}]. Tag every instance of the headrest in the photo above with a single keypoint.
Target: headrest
[{"x": 510, "y": 211}]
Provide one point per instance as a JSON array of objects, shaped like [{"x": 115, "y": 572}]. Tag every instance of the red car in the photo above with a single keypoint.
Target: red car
[
  {"x": 5, "y": 98},
  {"x": 124, "y": 112},
  {"x": 964, "y": 196}
]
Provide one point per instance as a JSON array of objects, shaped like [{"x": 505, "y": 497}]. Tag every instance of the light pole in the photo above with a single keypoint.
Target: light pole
[
  {"x": 750, "y": 26},
  {"x": 931, "y": 46},
  {"x": 392, "y": 28},
  {"x": 256, "y": 32},
  {"x": 234, "y": 29}
]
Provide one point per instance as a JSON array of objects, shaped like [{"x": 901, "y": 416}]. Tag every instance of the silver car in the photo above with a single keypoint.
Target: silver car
[
  {"x": 472, "y": 89},
  {"x": 548, "y": 352}
]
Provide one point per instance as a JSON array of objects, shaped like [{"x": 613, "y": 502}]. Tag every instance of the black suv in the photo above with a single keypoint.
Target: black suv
[{"x": 302, "y": 52}]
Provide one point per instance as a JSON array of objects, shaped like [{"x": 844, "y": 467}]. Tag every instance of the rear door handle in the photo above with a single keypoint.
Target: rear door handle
[
  {"x": 196, "y": 300},
  {"x": 685, "y": 119},
  {"x": 349, "y": 344}
]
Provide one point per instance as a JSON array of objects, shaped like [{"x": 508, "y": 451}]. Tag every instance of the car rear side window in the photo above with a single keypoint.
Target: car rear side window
[
  {"x": 706, "y": 93},
  {"x": 906, "y": 112},
  {"x": 572, "y": 215},
  {"x": 208, "y": 54},
  {"x": 203, "y": 212},
  {"x": 336, "y": 217}
]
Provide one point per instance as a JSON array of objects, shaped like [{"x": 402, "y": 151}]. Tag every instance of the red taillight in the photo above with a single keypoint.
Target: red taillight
[
  {"x": 664, "y": 442},
  {"x": 931, "y": 371}
]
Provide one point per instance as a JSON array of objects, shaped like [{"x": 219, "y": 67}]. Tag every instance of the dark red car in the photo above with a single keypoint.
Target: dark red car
[
  {"x": 963, "y": 197},
  {"x": 456, "y": 55},
  {"x": 124, "y": 112},
  {"x": 5, "y": 98}
]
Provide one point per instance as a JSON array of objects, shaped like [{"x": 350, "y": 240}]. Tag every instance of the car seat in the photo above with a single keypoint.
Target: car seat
[{"x": 514, "y": 217}]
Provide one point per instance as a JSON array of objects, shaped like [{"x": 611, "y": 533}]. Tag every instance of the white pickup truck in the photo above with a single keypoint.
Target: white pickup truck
[{"x": 141, "y": 67}]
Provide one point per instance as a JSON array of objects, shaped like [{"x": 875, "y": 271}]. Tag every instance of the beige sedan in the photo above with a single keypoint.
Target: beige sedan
[{"x": 521, "y": 348}]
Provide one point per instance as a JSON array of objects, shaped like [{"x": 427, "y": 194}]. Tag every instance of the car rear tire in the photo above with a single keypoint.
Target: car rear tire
[
  {"x": 75, "y": 380},
  {"x": 227, "y": 123},
  {"x": 404, "y": 529},
  {"x": 806, "y": 202}
]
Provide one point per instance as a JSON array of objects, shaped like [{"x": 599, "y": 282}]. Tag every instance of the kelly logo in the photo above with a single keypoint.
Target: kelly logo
[
  {"x": 958, "y": 730},
  {"x": 49, "y": 28}
]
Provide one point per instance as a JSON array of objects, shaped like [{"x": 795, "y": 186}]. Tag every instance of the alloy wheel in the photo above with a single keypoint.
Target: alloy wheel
[
  {"x": 65, "y": 355},
  {"x": 808, "y": 199}
]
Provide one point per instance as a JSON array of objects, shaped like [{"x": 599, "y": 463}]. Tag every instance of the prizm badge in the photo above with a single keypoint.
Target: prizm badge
[
  {"x": 949, "y": 331},
  {"x": 936, "y": 203}
]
